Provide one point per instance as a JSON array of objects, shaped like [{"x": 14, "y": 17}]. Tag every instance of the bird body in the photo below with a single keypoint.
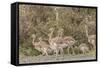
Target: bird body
[
  {"x": 83, "y": 48},
  {"x": 41, "y": 46},
  {"x": 58, "y": 43}
]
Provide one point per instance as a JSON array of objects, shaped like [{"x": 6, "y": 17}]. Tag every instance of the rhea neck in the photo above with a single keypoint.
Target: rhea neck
[
  {"x": 60, "y": 34},
  {"x": 50, "y": 35},
  {"x": 86, "y": 30},
  {"x": 33, "y": 41}
]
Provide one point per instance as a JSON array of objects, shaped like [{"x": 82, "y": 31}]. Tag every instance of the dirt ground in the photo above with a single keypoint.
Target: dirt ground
[{"x": 53, "y": 58}]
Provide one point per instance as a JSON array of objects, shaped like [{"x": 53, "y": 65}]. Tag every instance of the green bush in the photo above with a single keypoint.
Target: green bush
[{"x": 39, "y": 19}]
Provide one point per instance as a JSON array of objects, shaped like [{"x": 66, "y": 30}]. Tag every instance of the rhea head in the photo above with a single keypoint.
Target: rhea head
[
  {"x": 51, "y": 29},
  {"x": 33, "y": 36}
]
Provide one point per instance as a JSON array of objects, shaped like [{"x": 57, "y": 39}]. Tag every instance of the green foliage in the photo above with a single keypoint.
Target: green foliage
[
  {"x": 35, "y": 19},
  {"x": 27, "y": 49}
]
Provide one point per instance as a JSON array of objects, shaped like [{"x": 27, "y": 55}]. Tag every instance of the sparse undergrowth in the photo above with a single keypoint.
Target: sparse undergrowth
[{"x": 39, "y": 19}]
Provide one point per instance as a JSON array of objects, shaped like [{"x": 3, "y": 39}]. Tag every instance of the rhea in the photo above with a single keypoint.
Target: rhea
[
  {"x": 70, "y": 43},
  {"x": 41, "y": 46},
  {"x": 91, "y": 38},
  {"x": 83, "y": 48},
  {"x": 58, "y": 43}
]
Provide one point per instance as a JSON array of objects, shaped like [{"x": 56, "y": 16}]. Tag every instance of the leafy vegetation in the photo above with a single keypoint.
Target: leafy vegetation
[{"x": 35, "y": 19}]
